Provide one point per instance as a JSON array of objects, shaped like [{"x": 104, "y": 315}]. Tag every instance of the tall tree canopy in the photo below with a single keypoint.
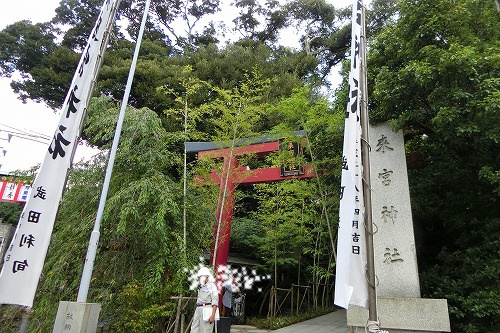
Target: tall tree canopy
[{"x": 177, "y": 34}]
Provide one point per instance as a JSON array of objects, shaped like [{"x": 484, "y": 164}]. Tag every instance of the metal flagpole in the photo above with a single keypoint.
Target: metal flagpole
[
  {"x": 94, "y": 237},
  {"x": 365, "y": 146},
  {"x": 373, "y": 325}
]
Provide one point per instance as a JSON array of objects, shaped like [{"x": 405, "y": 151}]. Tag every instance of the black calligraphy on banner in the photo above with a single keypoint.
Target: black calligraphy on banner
[
  {"x": 356, "y": 51},
  {"x": 34, "y": 217},
  {"x": 359, "y": 5},
  {"x": 353, "y": 98},
  {"x": 19, "y": 266},
  {"x": 28, "y": 240},
  {"x": 72, "y": 101},
  {"x": 94, "y": 35},
  {"x": 345, "y": 166},
  {"x": 56, "y": 146},
  {"x": 86, "y": 60},
  {"x": 40, "y": 193}
]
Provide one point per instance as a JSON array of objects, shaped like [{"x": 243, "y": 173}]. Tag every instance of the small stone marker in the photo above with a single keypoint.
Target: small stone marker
[
  {"x": 74, "y": 317},
  {"x": 398, "y": 289}
]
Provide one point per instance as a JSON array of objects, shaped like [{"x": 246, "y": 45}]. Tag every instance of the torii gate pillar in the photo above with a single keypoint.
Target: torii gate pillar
[{"x": 225, "y": 208}]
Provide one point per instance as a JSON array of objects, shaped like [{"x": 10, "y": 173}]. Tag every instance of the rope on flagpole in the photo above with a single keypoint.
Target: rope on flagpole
[{"x": 373, "y": 327}]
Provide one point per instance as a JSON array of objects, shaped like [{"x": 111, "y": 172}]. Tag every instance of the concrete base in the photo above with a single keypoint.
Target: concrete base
[
  {"x": 405, "y": 315},
  {"x": 73, "y": 317}
]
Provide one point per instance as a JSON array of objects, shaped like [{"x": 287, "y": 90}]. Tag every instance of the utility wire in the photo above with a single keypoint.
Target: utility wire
[{"x": 14, "y": 130}]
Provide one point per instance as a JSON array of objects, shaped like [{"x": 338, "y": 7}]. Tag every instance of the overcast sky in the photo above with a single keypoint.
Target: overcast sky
[{"x": 35, "y": 117}]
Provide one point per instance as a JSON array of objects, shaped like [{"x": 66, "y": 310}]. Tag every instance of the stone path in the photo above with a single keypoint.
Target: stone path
[{"x": 334, "y": 322}]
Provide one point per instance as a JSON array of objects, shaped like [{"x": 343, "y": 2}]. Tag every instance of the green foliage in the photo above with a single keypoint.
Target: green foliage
[
  {"x": 246, "y": 235},
  {"x": 10, "y": 212},
  {"x": 459, "y": 272},
  {"x": 288, "y": 229}
]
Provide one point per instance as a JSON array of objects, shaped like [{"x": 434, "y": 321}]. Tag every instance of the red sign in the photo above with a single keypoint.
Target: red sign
[{"x": 14, "y": 192}]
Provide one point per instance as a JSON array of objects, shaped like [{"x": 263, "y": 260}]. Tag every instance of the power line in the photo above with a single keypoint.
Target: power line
[
  {"x": 18, "y": 131},
  {"x": 29, "y": 138}
]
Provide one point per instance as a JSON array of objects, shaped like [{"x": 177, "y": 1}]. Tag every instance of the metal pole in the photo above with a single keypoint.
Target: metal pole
[
  {"x": 25, "y": 321},
  {"x": 94, "y": 237},
  {"x": 365, "y": 151}
]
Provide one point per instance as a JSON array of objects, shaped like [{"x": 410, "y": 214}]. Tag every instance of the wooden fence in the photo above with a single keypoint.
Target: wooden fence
[{"x": 299, "y": 298}]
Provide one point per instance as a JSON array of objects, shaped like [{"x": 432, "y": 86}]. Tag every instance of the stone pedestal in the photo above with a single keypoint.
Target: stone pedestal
[
  {"x": 74, "y": 317},
  {"x": 405, "y": 315},
  {"x": 400, "y": 307}
]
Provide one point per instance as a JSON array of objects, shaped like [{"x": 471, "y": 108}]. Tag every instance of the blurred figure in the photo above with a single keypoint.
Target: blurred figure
[
  {"x": 227, "y": 298},
  {"x": 206, "y": 303}
]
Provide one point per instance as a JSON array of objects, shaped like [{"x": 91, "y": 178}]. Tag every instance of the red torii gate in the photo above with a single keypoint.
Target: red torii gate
[{"x": 232, "y": 174}]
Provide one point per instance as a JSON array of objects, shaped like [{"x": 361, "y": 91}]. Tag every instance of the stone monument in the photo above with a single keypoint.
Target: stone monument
[{"x": 400, "y": 308}]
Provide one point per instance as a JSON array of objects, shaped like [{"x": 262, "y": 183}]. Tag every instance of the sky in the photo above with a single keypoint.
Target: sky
[{"x": 35, "y": 118}]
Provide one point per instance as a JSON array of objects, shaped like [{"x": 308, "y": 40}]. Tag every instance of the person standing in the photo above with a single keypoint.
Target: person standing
[
  {"x": 206, "y": 303},
  {"x": 227, "y": 298}
]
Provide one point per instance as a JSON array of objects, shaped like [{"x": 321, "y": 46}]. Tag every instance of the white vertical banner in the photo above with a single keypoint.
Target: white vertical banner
[
  {"x": 350, "y": 280},
  {"x": 25, "y": 256}
]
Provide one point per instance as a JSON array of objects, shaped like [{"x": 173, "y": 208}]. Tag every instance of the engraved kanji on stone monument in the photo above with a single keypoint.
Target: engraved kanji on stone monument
[
  {"x": 389, "y": 215},
  {"x": 385, "y": 176},
  {"x": 391, "y": 211},
  {"x": 383, "y": 144},
  {"x": 391, "y": 256}
]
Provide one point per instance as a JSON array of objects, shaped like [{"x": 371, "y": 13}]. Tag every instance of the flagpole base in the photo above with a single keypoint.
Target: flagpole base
[
  {"x": 373, "y": 327},
  {"x": 75, "y": 317}
]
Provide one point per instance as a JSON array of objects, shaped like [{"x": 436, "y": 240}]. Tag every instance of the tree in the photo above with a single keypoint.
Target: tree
[
  {"x": 435, "y": 74},
  {"x": 170, "y": 15},
  {"x": 46, "y": 55}
]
